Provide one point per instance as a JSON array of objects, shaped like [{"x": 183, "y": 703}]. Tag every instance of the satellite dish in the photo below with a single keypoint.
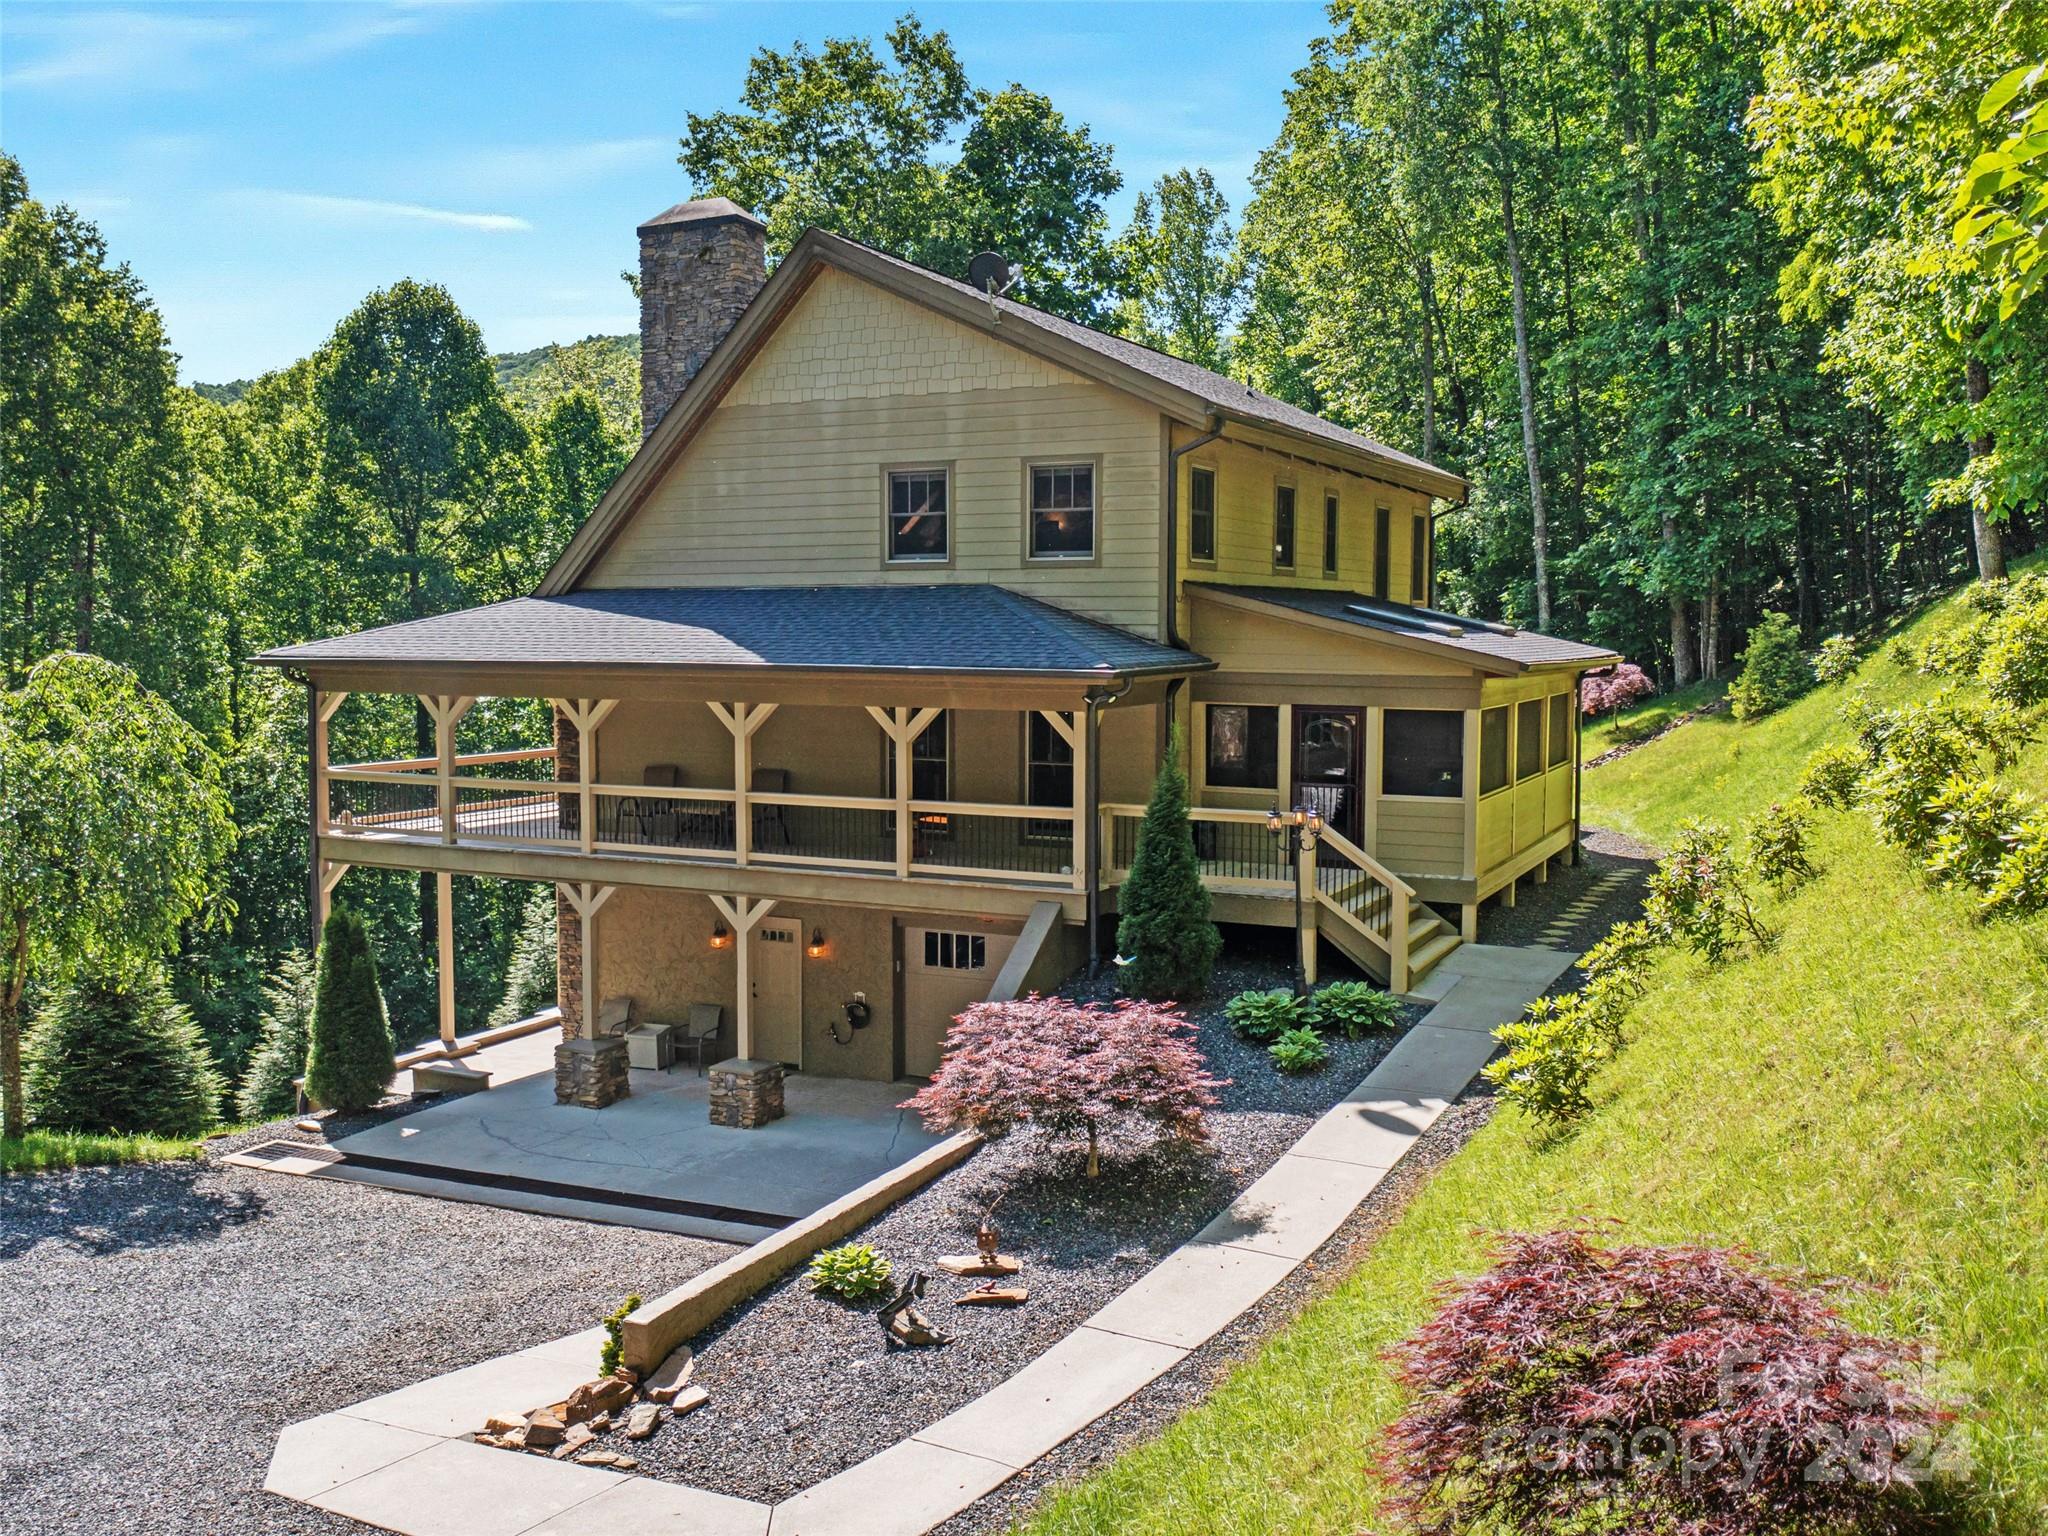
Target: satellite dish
[{"x": 990, "y": 272}]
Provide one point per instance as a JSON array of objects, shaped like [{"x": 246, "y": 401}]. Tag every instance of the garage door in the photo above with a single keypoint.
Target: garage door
[{"x": 944, "y": 970}]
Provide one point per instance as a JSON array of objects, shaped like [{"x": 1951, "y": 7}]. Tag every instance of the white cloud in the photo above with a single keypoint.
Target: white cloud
[
  {"x": 525, "y": 168},
  {"x": 358, "y": 210},
  {"x": 116, "y": 47}
]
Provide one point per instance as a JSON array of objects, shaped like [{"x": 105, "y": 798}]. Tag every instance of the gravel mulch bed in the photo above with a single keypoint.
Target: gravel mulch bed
[
  {"x": 164, "y": 1322},
  {"x": 803, "y": 1386},
  {"x": 1609, "y": 880},
  {"x": 1183, "y": 1388}
]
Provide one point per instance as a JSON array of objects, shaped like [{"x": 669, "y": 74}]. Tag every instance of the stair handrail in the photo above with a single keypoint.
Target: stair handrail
[{"x": 1366, "y": 862}]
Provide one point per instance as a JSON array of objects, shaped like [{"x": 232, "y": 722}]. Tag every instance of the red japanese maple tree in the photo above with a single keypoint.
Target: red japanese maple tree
[
  {"x": 1675, "y": 1390},
  {"x": 1069, "y": 1070}
]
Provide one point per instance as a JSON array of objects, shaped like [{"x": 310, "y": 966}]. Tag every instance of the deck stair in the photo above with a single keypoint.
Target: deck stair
[{"x": 1430, "y": 938}]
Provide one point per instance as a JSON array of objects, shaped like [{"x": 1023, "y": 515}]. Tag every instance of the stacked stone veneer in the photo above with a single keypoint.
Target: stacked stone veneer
[
  {"x": 701, "y": 263},
  {"x": 591, "y": 1073},
  {"x": 746, "y": 1094}
]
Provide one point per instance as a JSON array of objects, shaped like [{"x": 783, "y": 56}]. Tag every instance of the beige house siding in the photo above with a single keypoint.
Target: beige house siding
[{"x": 784, "y": 484}]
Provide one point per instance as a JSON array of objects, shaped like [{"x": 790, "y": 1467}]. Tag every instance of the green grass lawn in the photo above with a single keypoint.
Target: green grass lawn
[
  {"x": 1642, "y": 720},
  {"x": 48, "y": 1151},
  {"x": 1869, "y": 1101}
]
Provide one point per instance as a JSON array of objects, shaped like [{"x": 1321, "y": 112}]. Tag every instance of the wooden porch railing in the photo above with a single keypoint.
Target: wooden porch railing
[{"x": 1239, "y": 856}]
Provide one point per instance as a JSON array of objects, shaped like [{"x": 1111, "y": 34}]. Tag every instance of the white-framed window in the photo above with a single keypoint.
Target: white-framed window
[
  {"x": 1062, "y": 512},
  {"x": 919, "y": 531}
]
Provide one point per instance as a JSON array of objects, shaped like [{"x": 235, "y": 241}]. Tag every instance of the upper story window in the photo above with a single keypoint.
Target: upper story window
[
  {"x": 1283, "y": 527},
  {"x": 919, "y": 522},
  {"x": 1330, "y": 533},
  {"x": 1062, "y": 511},
  {"x": 1382, "y": 536},
  {"x": 1418, "y": 563},
  {"x": 1243, "y": 746},
  {"x": 1201, "y": 513}
]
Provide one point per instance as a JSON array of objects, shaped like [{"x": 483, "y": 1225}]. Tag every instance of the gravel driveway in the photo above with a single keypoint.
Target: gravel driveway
[{"x": 159, "y": 1326}]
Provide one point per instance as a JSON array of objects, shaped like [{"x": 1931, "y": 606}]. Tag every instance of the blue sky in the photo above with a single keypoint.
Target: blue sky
[{"x": 265, "y": 165}]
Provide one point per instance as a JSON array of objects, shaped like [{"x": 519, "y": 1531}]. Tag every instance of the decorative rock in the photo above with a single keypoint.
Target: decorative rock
[
  {"x": 607, "y": 1394},
  {"x": 598, "y": 1456},
  {"x": 591, "y": 1073},
  {"x": 746, "y": 1094},
  {"x": 599, "y": 1423},
  {"x": 644, "y": 1421},
  {"x": 543, "y": 1429},
  {"x": 975, "y": 1264},
  {"x": 576, "y": 1437},
  {"x": 993, "y": 1295},
  {"x": 500, "y": 1424},
  {"x": 672, "y": 1375},
  {"x": 689, "y": 1400}
]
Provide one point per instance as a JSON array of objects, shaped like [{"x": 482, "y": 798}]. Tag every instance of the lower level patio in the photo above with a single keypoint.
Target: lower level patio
[{"x": 650, "y": 1160}]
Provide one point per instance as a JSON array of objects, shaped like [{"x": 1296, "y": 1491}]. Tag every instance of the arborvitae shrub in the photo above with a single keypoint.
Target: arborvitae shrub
[
  {"x": 1166, "y": 930},
  {"x": 121, "y": 1055},
  {"x": 530, "y": 977},
  {"x": 349, "y": 1063},
  {"x": 269, "y": 1090},
  {"x": 1774, "y": 671}
]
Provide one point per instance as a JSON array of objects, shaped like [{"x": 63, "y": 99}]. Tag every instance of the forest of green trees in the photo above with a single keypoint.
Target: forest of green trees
[{"x": 1680, "y": 288}]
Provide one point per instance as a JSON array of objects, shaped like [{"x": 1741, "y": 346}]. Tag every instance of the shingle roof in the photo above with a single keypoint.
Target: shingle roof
[
  {"x": 963, "y": 628},
  {"x": 1475, "y": 637},
  {"x": 1226, "y": 395}
]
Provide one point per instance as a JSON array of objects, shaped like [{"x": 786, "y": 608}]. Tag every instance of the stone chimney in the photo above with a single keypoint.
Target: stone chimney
[{"x": 701, "y": 263}]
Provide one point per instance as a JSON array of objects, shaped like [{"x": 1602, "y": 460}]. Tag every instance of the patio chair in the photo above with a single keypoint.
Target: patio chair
[
  {"x": 700, "y": 1034},
  {"x": 614, "y": 1016},
  {"x": 654, "y": 817},
  {"x": 770, "y": 825}
]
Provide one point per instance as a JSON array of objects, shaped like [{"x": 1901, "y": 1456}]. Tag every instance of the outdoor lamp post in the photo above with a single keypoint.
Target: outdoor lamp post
[{"x": 1297, "y": 830}]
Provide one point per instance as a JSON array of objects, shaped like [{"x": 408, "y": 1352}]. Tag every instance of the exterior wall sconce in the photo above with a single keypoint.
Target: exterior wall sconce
[
  {"x": 721, "y": 936},
  {"x": 816, "y": 948}
]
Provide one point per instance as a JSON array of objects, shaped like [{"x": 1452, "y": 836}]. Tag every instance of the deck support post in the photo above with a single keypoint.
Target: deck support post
[
  {"x": 320, "y": 812},
  {"x": 743, "y": 912},
  {"x": 331, "y": 871},
  {"x": 742, "y": 720},
  {"x": 585, "y": 897},
  {"x": 1397, "y": 940},
  {"x": 1305, "y": 909},
  {"x": 902, "y": 726},
  {"x": 444, "y": 953},
  {"x": 586, "y": 715},
  {"x": 445, "y": 710}
]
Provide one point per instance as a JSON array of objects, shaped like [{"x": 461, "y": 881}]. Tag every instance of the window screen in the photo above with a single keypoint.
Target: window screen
[
  {"x": 1423, "y": 753},
  {"x": 1062, "y": 511},
  {"x": 1528, "y": 738},
  {"x": 1048, "y": 774},
  {"x": 1382, "y": 535},
  {"x": 917, "y": 515},
  {"x": 1243, "y": 746},
  {"x": 1201, "y": 514},
  {"x": 1560, "y": 728},
  {"x": 1493, "y": 749},
  {"x": 1329, "y": 535}
]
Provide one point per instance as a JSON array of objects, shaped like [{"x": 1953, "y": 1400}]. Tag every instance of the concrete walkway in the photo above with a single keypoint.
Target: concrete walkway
[{"x": 398, "y": 1461}]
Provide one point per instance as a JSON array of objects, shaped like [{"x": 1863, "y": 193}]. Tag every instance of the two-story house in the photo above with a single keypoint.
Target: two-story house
[{"x": 862, "y": 669}]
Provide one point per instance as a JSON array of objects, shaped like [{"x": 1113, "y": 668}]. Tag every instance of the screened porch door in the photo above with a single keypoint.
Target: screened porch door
[{"x": 1329, "y": 767}]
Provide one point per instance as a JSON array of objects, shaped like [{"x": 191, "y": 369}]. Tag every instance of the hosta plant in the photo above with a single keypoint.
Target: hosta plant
[
  {"x": 852, "y": 1272},
  {"x": 1352, "y": 1009},
  {"x": 1299, "y": 1050},
  {"x": 1262, "y": 1017},
  {"x": 1638, "y": 1389}
]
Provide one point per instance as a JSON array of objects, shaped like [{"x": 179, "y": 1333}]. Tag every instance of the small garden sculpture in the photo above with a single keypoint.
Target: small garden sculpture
[{"x": 904, "y": 1320}]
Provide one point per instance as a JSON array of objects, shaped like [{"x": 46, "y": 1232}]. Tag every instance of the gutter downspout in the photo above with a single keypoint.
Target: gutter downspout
[
  {"x": 1213, "y": 431},
  {"x": 1092, "y": 833}
]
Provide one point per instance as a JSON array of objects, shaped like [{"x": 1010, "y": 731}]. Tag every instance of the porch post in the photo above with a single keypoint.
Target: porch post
[
  {"x": 331, "y": 871},
  {"x": 444, "y": 946},
  {"x": 902, "y": 726},
  {"x": 743, "y": 912},
  {"x": 320, "y": 710},
  {"x": 586, "y": 898},
  {"x": 445, "y": 710},
  {"x": 1305, "y": 937},
  {"x": 742, "y": 720},
  {"x": 586, "y": 715},
  {"x": 1072, "y": 728}
]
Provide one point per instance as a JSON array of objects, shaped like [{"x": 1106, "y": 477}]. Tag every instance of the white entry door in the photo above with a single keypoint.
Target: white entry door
[
  {"x": 944, "y": 970},
  {"x": 777, "y": 960}
]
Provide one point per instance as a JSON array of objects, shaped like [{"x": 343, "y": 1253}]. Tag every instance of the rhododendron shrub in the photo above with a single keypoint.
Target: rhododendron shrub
[
  {"x": 1623, "y": 684},
  {"x": 1070, "y": 1071},
  {"x": 1653, "y": 1389}
]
